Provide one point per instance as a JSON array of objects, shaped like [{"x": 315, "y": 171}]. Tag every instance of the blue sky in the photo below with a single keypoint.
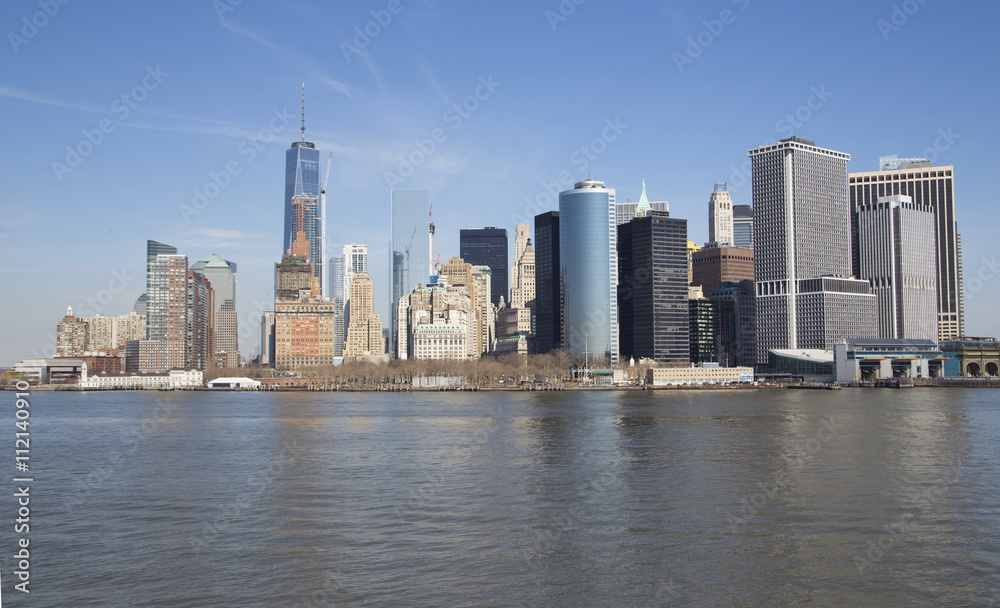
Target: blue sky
[{"x": 190, "y": 94}]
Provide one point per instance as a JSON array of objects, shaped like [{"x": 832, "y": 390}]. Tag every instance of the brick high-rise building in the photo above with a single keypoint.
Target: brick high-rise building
[
  {"x": 712, "y": 267},
  {"x": 71, "y": 335}
]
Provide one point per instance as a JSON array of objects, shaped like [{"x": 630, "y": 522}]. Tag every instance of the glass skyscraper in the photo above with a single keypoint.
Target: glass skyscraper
[
  {"x": 302, "y": 183},
  {"x": 653, "y": 288},
  {"x": 221, "y": 274},
  {"x": 301, "y": 177},
  {"x": 589, "y": 272},
  {"x": 743, "y": 226},
  {"x": 487, "y": 247},
  {"x": 548, "y": 308},
  {"x": 409, "y": 249}
]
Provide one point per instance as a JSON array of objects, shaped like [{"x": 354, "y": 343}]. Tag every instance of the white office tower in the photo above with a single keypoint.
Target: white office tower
[
  {"x": 806, "y": 297},
  {"x": 897, "y": 252},
  {"x": 720, "y": 218}
]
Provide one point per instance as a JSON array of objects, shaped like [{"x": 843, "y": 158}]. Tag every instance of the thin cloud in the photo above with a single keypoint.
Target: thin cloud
[
  {"x": 296, "y": 57},
  {"x": 15, "y": 93},
  {"x": 219, "y": 233}
]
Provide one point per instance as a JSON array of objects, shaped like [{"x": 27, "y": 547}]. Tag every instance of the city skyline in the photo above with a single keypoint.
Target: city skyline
[{"x": 513, "y": 148}]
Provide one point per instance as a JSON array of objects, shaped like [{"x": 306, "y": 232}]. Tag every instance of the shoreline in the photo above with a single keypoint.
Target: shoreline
[{"x": 920, "y": 383}]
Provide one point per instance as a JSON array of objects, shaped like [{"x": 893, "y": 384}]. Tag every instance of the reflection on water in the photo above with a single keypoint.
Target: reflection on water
[{"x": 728, "y": 498}]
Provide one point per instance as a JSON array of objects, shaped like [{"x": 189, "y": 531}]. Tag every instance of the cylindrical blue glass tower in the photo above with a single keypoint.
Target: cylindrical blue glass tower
[{"x": 589, "y": 269}]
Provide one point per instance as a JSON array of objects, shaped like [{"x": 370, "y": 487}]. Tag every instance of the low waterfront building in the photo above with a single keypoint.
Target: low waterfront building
[
  {"x": 171, "y": 379},
  {"x": 860, "y": 360},
  {"x": 707, "y": 374},
  {"x": 867, "y": 360},
  {"x": 243, "y": 383},
  {"x": 60, "y": 370},
  {"x": 972, "y": 357}
]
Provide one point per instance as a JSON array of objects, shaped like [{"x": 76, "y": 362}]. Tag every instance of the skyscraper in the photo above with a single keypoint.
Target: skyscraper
[
  {"x": 354, "y": 261},
  {"x": 652, "y": 290},
  {"x": 301, "y": 176},
  {"x": 736, "y": 333},
  {"x": 409, "y": 247},
  {"x": 167, "y": 309},
  {"x": 589, "y": 272},
  {"x": 72, "y": 336},
  {"x": 720, "y": 217},
  {"x": 703, "y": 323},
  {"x": 457, "y": 272},
  {"x": 930, "y": 186},
  {"x": 548, "y": 300},
  {"x": 711, "y": 267},
  {"x": 364, "y": 335},
  {"x": 743, "y": 226},
  {"x": 304, "y": 324},
  {"x": 338, "y": 295},
  {"x": 222, "y": 276},
  {"x": 200, "y": 339},
  {"x": 896, "y": 251},
  {"x": 626, "y": 212},
  {"x": 522, "y": 234},
  {"x": 487, "y": 247},
  {"x": 802, "y": 259}
]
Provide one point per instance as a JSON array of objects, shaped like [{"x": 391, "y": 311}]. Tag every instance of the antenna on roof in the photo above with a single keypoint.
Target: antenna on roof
[{"x": 303, "y": 111}]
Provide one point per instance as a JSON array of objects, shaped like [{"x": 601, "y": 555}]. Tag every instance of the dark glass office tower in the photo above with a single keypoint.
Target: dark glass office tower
[
  {"x": 702, "y": 328},
  {"x": 653, "y": 288},
  {"x": 548, "y": 306},
  {"x": 743, "y": 226},
  {"x": 487, "y": 247}
]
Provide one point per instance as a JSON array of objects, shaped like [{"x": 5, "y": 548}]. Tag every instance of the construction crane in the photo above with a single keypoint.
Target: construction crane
[
  {"x": 322, "y": 210},
  {"x": 326, "y": 178}
]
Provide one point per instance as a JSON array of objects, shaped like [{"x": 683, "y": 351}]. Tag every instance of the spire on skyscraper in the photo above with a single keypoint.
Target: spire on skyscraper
[
  {"x": 303, "y": 111},
  {"x": 643, "y": 206}
]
